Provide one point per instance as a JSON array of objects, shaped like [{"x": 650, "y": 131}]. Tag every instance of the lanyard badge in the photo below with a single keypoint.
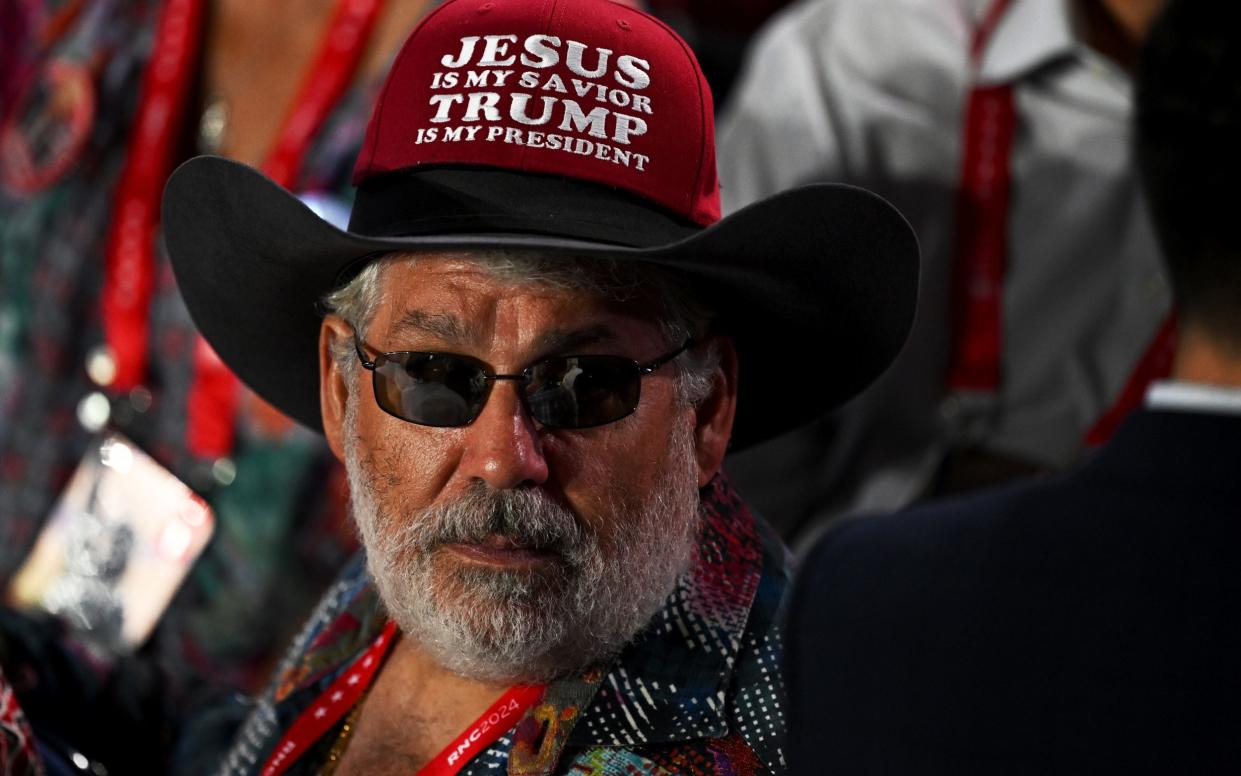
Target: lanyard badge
[{"x": 116, "y": 547}]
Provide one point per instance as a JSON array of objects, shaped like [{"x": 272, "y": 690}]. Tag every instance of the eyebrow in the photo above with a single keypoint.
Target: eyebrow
[
  {"x": 441, "y": 325},
  {"x": 564, "y": 340},
  {"x": 449, "y": 328}
]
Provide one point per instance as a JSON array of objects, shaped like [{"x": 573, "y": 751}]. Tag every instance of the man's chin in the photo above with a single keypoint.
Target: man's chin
[{"x": 509, "y": 636}]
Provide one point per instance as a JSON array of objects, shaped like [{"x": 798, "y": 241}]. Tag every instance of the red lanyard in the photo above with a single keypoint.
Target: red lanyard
[
  {"x": 501, "y": 716},
  {"x": 130, "y": 266},
  {"x": 350, "y": 686},
  {"x": 129, "y": 269},
  {"x": 1156, "y": 364},
  {"x": 982, "y": 251}
]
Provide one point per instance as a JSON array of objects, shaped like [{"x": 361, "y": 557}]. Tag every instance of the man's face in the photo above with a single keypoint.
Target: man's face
[{"x": 512, "y": 551}]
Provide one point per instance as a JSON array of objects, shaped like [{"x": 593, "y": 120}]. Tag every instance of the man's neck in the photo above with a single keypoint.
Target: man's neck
[
  {"x": 1203, "y": 359},
  {"x": 415, "y": 708},
  {"x": 1117, "y": 28}
]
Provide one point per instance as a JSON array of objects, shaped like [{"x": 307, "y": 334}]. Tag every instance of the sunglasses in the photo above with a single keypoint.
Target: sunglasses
[{"x": 447, "y": 389}]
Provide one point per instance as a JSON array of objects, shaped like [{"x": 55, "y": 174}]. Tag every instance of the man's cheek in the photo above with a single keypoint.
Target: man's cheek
[
  {"x": 601, "y": 508},
  {"x": 421, "y": 465}
]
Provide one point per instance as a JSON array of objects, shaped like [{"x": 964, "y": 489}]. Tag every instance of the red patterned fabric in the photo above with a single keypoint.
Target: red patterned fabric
[{"x": 17, "y": 751}]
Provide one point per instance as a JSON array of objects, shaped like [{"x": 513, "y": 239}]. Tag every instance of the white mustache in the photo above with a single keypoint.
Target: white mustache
[{"x": 530, "y": 519}]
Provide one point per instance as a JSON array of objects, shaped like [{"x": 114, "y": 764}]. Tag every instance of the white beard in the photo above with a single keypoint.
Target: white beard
[{"x": 500, "y": 625}]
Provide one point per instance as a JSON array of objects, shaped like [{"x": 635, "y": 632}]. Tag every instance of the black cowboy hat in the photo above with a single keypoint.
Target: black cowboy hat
[{"x": 816, "y": 286}]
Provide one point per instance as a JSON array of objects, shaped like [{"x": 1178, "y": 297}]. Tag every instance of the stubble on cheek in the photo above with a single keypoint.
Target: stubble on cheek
[
  {"x": 615, "y": 478},
  {"x": 400, "y": 470}
]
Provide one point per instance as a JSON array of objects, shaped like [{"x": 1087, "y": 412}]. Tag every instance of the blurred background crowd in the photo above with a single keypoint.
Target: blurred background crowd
[{"x": 1000, "y": 128}]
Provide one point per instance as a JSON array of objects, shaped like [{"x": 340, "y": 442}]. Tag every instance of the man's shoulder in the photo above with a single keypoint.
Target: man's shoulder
[
  {"x": 943, "y": 531},
  {"x": 825, "y": 14},
  {"x": 822, "y": 75},
  {"x": 929, "y": 31},
  {"x": 1141, "y": 521},
  {"x": 1143, "y": 486},
  {"x": 946, "y": 628},
  {"x": 956, "y": 555}
]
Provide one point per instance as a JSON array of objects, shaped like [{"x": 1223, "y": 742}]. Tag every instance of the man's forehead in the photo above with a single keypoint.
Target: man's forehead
[
  {"x": 463, "y": 298},
  {"x": 470, "y": 283},
  {"x": 448, "y": 327},
  {"x": 466, "y": 268}
]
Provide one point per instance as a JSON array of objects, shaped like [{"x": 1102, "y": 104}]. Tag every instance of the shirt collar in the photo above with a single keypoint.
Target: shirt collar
[
  {"x": 343, "y": 625},
  {"x": 1031, "y": 33},
  {"x": 1181, "y": 396}
]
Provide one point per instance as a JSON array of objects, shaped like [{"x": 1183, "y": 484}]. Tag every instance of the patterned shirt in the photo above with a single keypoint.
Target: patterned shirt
[{"x": 699, "y": 690}]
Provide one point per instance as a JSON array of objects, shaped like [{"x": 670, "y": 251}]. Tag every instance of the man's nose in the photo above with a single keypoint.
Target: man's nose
[{"x": 502, "y": 445}]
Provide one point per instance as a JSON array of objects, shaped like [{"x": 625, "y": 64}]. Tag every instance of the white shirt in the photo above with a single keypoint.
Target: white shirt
[
  {"x": 1180, "y": 396},
  {"x": 871, "y": 92}
]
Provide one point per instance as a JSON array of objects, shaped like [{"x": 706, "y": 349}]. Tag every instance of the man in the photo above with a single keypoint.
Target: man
[
  {"x": 533, "y": 404},
  {"x": 1085, "y": 623},
  {"x": 1001, "y": 129}
]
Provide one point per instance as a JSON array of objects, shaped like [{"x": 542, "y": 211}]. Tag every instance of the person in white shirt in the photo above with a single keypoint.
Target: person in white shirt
[{"x": 879, "y": 93}]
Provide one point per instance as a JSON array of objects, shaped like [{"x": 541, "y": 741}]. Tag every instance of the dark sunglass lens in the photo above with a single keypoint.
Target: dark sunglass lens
[
  {"x": 433, "y": 389},
  {"x": 582, "y": 391}
]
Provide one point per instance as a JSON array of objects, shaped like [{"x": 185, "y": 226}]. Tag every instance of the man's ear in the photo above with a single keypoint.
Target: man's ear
[
  {"x": 333, "y": 390},
  {"x": 714, "y": 416}
]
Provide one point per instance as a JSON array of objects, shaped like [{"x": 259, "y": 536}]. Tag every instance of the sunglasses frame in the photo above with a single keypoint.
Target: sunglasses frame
[{"x": 492, "y": 378}]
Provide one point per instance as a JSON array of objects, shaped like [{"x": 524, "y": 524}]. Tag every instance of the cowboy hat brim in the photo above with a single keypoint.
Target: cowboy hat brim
[{"x": 817, "y": 286}]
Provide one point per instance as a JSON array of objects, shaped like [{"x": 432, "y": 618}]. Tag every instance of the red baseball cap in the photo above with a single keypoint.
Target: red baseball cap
[
  {"x": 574, "y": 127},
  {"x": 593, "y": 91}
]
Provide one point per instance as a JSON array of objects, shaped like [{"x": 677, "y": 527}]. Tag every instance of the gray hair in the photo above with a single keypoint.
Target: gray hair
[{"x": 679, "y": 316}]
